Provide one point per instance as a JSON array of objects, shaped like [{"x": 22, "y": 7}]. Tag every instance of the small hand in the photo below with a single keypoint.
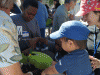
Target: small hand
[
  {"x": 54, "y": 62},
  {"x": 26, "y": 52},
  {"x": 95, "y": 62}
]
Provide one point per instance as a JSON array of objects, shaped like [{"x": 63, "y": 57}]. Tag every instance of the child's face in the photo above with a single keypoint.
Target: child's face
[{"x": 92, "y": 18}]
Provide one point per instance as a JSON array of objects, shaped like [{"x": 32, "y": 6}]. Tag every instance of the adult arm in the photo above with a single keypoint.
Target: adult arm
[
  {"x": 11, "y": 70},
  {"x": 50, "y": 70},
  {"x": 58, "y": 20},
  {"x": 32, "y": 43},
  {"x": 62, "y": 19},
  {"x": 56, "y": 68},
  {"x": 14, "y": 69}
]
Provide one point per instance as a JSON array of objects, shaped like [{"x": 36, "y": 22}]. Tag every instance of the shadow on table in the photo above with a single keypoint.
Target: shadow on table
[{"x": 26, "y": 68}]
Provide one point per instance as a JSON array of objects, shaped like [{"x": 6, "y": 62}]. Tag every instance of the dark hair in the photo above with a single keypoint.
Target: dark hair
[
  {"x": 68, "y": 1},
  {"x": 47, "y": 7},
  {"x": 6, "y": 3},
  {"x": 32, "y": 3},
  {"x": 82, "y": 44},
  {"x": 97, "y": 12},
  {"x": 57, "y": 4},
  {"x": 56, "y": 0}
]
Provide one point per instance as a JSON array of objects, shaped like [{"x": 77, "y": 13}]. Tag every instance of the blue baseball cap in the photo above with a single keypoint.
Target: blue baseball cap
[{"x": 71, "y": 29}]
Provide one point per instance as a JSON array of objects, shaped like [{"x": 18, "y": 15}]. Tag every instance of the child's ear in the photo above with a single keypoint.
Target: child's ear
[
  {"x": 70, "y": 42},
  {"x": 61, "y": 39}
]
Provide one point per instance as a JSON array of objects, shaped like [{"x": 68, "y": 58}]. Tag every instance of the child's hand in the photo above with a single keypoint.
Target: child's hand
[
  {"x": 54, "y": 62},
  {"x": 95, "y": 62}
]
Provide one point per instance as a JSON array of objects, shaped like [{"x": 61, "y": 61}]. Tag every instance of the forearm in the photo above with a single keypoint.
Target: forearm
[
  {"x": 46, "y": 71},
  {"x": 27, "y": 51},
  {"x": 14, "y": 69},
  {"x": 45, "y": 41},
  {"x": 11, "y": 70}
]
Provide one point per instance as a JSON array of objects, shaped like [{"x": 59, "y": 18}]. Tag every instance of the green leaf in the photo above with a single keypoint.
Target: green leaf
[
  {"x": 40, "y": 60},
  {"x": 3, "y": 47},
  {"x": 50, "y": 2},
  {"x": 16, "y": 57},
  {"x": 24, "y": 60},
  {"x": 17, "y": 49}
]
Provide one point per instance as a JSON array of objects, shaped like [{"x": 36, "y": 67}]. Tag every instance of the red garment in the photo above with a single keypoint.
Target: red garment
[{"x": 87, "y": 6}]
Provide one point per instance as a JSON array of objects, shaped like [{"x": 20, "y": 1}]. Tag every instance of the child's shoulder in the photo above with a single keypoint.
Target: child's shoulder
[{"x": 78, "y": 51}]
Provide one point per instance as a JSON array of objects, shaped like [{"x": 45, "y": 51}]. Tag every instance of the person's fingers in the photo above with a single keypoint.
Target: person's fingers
[
  {"x": 94, "y": 59},
  {"x": 93, "y": 69},
  {"x": 93, "y": 62},
  {"x": 93, "y": 65},
  {"x": 91, "y": 57}
]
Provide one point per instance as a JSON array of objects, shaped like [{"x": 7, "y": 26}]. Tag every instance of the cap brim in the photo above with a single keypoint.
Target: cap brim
[
  {"x": 80, "y": 13},
  {"x": 55, "y": 35}
]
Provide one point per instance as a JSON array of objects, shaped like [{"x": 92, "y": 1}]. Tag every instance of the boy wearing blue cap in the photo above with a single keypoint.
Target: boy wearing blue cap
[{"x": 73, "y": 36}]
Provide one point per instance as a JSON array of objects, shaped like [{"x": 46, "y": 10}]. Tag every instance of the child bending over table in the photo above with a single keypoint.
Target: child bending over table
[{"x": 73, "y": 36}]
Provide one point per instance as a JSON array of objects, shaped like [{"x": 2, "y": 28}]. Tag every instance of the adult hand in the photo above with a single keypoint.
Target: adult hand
[
  {"x": 95, "y": 62},
  {"x": 42, "y": 40},
  {"x": 33, "y": 42}
]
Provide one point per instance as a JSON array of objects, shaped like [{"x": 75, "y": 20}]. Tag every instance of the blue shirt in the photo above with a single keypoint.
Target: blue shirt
[
  {"x": 41, "y": 15},
  {"x": 60, "y": 16},
  {"x": 76, "y": 62},
  {"x": 31, "y": 27}
]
